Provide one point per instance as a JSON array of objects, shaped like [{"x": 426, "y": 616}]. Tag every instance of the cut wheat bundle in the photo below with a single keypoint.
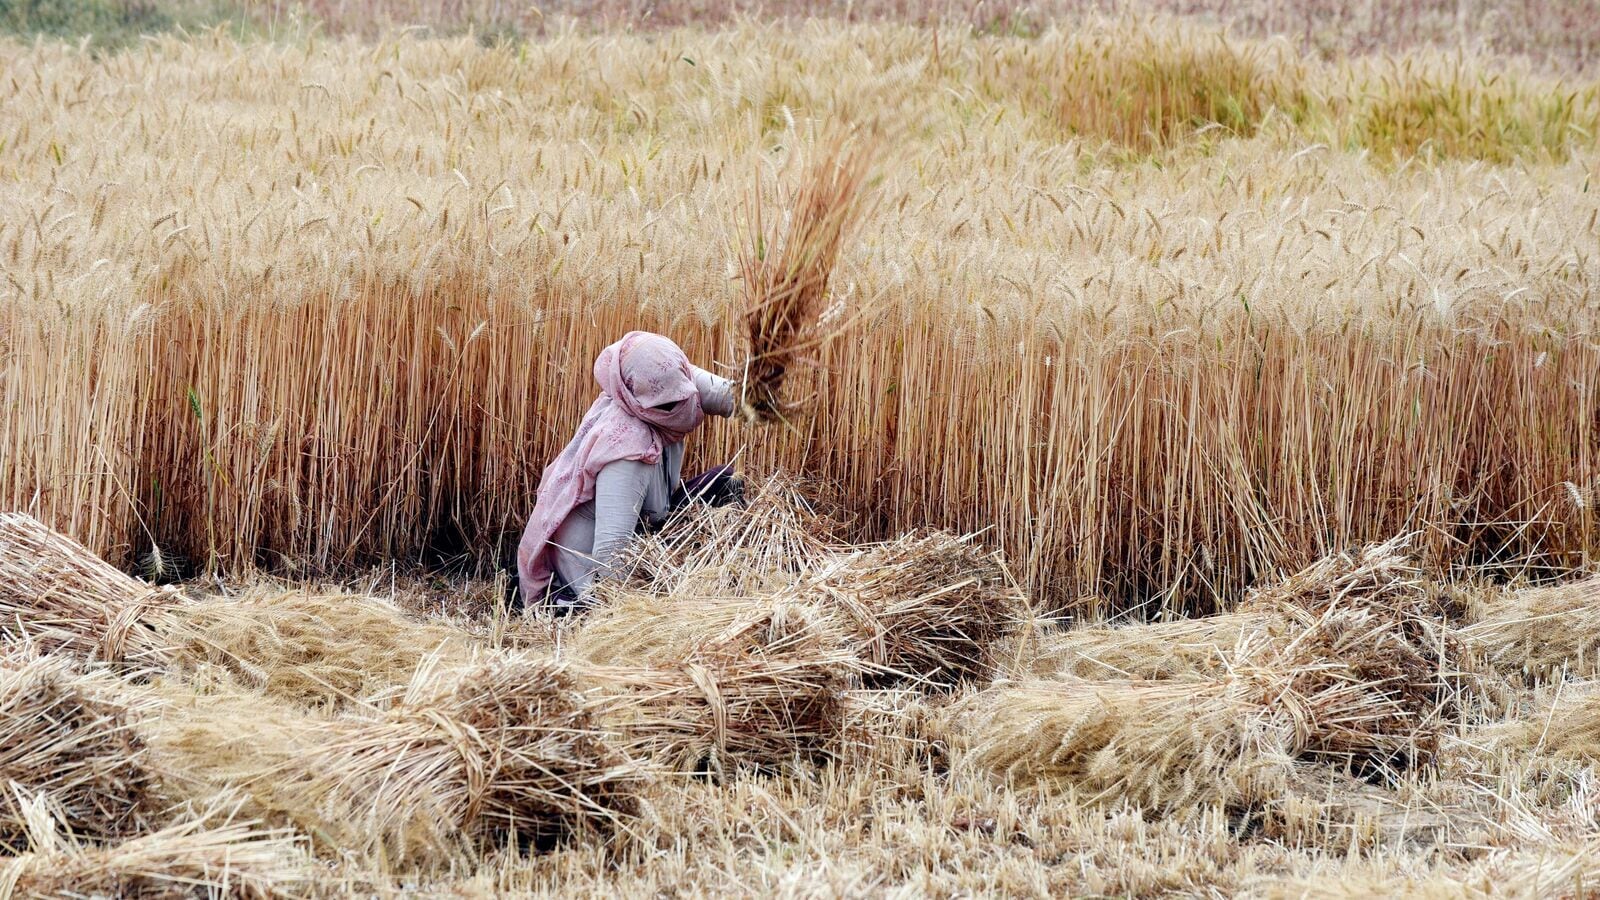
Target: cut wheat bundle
[
  {"x": 786, "y": 278},
  {"x": 318, "y": 649},
  {"x": 67, "y": 729},
  {"x": 504, "y": 750},
  {"x": 1563, "y": 721},
  {"x": 61, "y": 597},
  {"x": 1345, "y": 688},
  {"x": 763, "y": 544},
  {"x": 930, "y": 609},
  {"x": 1183, "y": 648},
  {"x": 1374, "y": 696},
  {"x": 630, "y": 628},
  {"x": 188, "y": 859},
  {"x": 1540, "y": 633},
  {"x": 728, "y": 713},
  {"x": 1376, "y": 580},
  {"x": 1159, "y": 746}
]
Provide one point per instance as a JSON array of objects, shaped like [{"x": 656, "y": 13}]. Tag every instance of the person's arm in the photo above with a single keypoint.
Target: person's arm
[
  {"x": 716, "y": 392},
  {"x": 618, "y": 496}
]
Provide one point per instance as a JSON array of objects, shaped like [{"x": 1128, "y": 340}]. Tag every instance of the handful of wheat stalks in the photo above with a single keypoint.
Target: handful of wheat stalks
[{"x": 786, "y": 278}]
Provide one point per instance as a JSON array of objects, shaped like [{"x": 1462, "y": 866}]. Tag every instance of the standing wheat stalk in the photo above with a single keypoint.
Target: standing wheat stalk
[{"x": 786, "y": 279}]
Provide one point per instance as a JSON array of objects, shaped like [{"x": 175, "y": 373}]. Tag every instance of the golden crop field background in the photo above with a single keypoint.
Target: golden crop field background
[
  {"x": 331, "y": 302},
  {"x": 1196, "y": 498}
]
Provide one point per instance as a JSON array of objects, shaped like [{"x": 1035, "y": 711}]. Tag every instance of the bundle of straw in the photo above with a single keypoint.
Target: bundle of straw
[
  {"x": 725, "y": 714},
  {"x": 1540, "y": 633},
  {"x": 1563, "y": 722},
  {"x": 927, "y": 608},
  {"x": 1345, "y": 686},
  {"x": 503, "y": 749},
  {"x": 630, "y": 628},
  {"x": 64, "y": 599},
  {"x": 68, "y": 731},
  {"x": 1159, "y": 746},
  {"x": 1184, "y": 648},
  {"x": 185, "y": 860},
  {"x": 1369, "y": 695},
  {"x": 786, "y": 278},
  {"x": 318, "y": 649},
  {"x": 766, "y": 543},
  {"x": 323, "y": 650}
]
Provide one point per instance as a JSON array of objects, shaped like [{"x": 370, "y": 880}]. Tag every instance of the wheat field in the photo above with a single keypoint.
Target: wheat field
[
  {"x": 1192, "y": 492},
  {"x": 1159, "y": 330}
]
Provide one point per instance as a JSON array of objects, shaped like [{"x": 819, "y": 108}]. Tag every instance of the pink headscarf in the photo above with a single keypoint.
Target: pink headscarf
[{"x": 636, "y": 374}]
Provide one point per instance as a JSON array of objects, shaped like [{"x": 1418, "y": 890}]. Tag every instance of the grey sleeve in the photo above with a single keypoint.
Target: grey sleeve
[
  {"x": 716, "y": 393},
  {"x": 618, "y": 496}
]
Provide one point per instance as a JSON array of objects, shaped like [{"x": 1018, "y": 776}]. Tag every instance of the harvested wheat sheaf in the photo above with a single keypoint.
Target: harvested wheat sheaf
[
  {"x": 317, "y": 649},
  {"x": 1541, "y": 633},
  {"x": 1164, "y": 746},
  {"x": 930, "y": 609},
  {"x": 629, "y": 628},
  {"x": 505, "y": 749},
  {"x": 56, "y": 594},
  {"x": 764, "y": 544},
  {"x": 68, "y": 730},
  {"x": 786, "y": 279},
  {"x": 314, "y": 648},
  {"x": 1185, "y": 648},
  {"x": 723, "y": 714},
  {"x": 189, "y": 859}
]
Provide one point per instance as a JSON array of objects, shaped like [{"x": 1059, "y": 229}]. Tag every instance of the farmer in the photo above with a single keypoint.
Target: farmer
[{"x": 621, "y": 473}]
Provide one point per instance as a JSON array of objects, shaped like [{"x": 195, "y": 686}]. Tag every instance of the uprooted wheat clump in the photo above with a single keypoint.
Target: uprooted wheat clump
[{"x": 68, "y": 730}]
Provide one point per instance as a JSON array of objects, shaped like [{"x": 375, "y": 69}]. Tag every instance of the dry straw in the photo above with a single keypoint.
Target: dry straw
[
  {"x": 1540, "y": 633},
  {"x": 1169, "y": 747},
  {"x": 59, "y": 596},
  {"x": 188, "y": 859},
  {"x": 315, "y": 648},
  {"x": 69, "y": 731},
  {"x": 932, "y": 608},
  {"x": 503, "y": 751},
  {"x": 723, "y": 714}
]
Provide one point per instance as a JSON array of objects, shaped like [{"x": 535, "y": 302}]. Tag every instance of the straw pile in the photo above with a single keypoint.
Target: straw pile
[
  {"x": 786, "y": 279},
  {"x": 762, "y": 545},
  {"x": 1541, "y": 633},
  {"x": 1185, "y": 648},
  {"x": 64, "y": 599},
  {"x": 630, "y": 628},
  {"x": 315, "y": 649},
  {"x": 1159, "y": 746},
  {"x": 68, "y": 731},
  {"x": 725, "y": 714},
  {"x": 926, "y": 608},
  {"x": 472, "y": 757},
  {"x": 1564, "y": 722},
  {"x": 186, "y": 860}
]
